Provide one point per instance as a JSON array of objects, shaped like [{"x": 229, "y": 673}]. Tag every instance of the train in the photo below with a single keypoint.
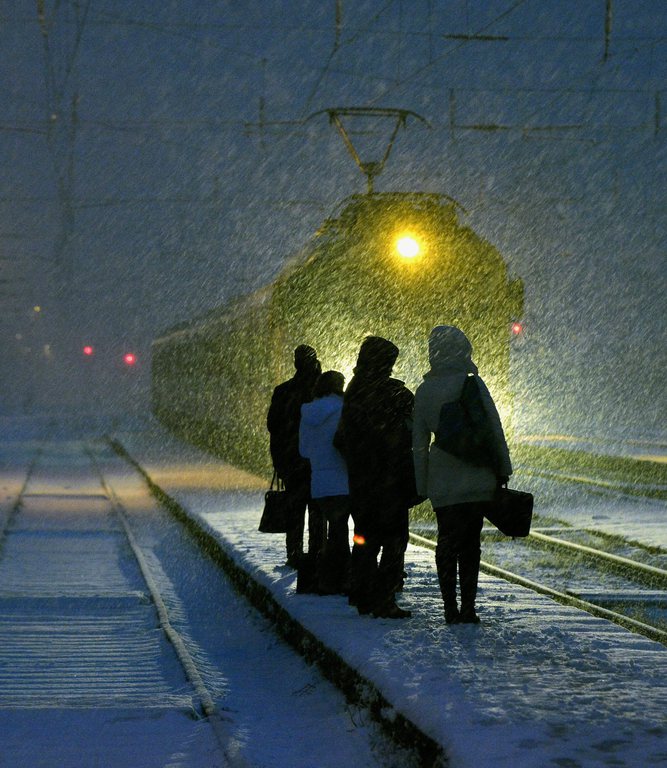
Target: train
[{"x": 391, "y": 264}]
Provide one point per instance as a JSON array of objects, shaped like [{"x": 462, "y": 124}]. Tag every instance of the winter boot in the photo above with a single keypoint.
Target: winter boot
[{"x": 468, "y": 615}]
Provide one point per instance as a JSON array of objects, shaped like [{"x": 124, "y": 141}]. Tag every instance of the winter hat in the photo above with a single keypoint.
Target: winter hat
[
  {"x": 329, "y": 383},
  {"x": 449, "y": 347},
  {"x": 305, "y": 358},
  {"x": 376, "y": 355}
]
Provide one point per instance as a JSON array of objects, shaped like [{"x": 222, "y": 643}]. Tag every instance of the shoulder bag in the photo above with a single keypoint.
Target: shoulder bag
[{"x": 276, "y": 508}]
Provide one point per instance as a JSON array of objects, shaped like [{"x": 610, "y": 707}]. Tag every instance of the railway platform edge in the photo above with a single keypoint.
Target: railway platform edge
[{"x": 452, "y": 716}]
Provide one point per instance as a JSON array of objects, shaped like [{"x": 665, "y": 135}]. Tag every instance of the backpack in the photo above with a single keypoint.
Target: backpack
[{"x": 465, "y": 429}]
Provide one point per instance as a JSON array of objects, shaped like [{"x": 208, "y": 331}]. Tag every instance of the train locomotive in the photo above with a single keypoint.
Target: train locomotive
[{"x": 392, "y": 264}]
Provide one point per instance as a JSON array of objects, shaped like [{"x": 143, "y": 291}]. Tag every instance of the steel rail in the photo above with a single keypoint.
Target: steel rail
[
  {"x": 654, "y": 575},
  {"x": 19, "y": 497},
  {"x": 218, "y": 722},
  {"x": 644, "y": 490},
  {"x": 561, "y": 597}
]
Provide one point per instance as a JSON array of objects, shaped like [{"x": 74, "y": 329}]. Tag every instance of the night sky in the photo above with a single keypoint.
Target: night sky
[{"x": 157, "y": 159}]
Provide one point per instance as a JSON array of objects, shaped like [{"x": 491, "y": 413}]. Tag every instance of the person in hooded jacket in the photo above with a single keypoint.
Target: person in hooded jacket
[
  {"x": 282, "y": 421},
  {"x": 328, "y": 478},
  {"x": 460, "y": 492},
  {"x": 375, "y": 440}
]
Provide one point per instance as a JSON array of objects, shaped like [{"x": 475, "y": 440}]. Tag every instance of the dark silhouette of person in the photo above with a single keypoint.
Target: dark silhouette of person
[
  {"x": 460, "y": 491},
  {"x": 329, "y": 487},
  {"x": 374, "y": 436},
  {"x": 282, "y": 421}
]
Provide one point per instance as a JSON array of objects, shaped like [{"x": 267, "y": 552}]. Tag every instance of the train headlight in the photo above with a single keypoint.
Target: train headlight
[{"x": 407, "y": 247}]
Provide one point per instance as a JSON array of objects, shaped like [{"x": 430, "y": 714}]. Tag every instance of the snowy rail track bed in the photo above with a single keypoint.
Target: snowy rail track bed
[
  {"x": 109, "y": 653},
  {"x": 88, "y": 675},
  {"x": 594, "y": 581}
]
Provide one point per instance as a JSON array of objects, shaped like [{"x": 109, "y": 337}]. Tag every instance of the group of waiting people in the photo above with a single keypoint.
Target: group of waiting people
[{"x": 366, "y": 451}]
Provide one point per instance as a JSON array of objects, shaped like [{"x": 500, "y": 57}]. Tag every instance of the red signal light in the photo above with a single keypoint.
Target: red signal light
[
  {"x": 517, "y": 328},
  {"x": 129, "y": 358},
  {"x": 88, "y": 350}
]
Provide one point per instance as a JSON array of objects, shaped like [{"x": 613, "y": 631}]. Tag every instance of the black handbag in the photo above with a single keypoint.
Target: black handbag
[
  {"x": 276, "y": 507},
  {"x": 511, "y": 512}
]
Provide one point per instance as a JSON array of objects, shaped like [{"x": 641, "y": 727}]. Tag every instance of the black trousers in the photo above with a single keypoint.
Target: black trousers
[
  {"x": 458, "y": 548},
  {"x": 374, "y": 584},
  {"x": 334, "y": 565},
  {"x": 297, "y": 484}
]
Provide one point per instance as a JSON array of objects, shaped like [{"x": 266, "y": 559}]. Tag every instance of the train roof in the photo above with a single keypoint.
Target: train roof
[
  {"x": 214, "y": 317},
  {"x": 343, "y": 212}
]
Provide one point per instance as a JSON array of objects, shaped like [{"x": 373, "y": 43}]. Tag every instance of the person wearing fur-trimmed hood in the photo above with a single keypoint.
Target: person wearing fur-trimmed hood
[{"x": 459, "y": 491}]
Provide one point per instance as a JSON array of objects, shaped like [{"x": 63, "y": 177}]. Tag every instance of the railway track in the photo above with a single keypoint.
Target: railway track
[
  {"x": 97, "y": 655},
  {"x": 206, "y": 704},
  {"x": 579, "y": 567},
  {"x": 109, "y": 614},
  {"x": 621, "y": 469}
]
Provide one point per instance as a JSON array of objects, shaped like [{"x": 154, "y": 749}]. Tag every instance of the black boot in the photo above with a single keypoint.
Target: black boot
[
  {"x": 468, "y": 577},
  {"x": 469, "y": 616},
  {"x": 391, "y": 610}
]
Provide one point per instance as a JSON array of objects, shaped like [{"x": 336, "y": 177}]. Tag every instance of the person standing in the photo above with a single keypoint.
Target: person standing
[
  {"x": 328, "y": 478},
  {"x": 460, "y": 492},
  {"x": 374, "y": 438},
  {"x": 282, "y": 421}
]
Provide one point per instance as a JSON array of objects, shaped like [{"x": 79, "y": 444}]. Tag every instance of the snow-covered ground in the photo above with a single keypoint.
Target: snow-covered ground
[
  {"x": 646, "y": 449},
  {"x": 536, "y": 684},
  {"x": 88, "y": 679}
]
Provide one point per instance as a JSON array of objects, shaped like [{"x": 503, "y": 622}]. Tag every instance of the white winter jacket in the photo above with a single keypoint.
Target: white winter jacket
[
  {"x": 319, "y": 421},
  {"x": 440, "y": 476}
]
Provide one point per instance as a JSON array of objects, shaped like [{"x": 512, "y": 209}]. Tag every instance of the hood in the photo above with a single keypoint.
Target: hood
[
  {"x": 376, "y": 357},
  {"x": 450, "y": 350},
  {"x": 315, "y": 413}
]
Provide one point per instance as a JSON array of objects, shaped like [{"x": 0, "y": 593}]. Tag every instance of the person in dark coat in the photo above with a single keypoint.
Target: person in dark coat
[
  {"x": 375, "y": 439},
  {"x": 328, "y": 479},
  {"x": 460, "y": 492},
  {"x": 282, "y": 421}
]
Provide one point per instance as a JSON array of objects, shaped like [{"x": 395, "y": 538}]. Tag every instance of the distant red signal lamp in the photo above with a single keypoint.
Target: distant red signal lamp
[
  {"x": 517, "y": 328},
  {"x": 88, "y": 350},
  {"x": 129, "y": 358}
]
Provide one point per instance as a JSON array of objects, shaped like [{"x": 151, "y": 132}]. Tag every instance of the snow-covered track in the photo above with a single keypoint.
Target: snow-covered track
[
  {"x": 78, "y": 617},
  {"x": 622, "y": 468},
  {"x": 641, "y": 572},
  {"x": 206, "y": 701},
  {"x": 564, "y": 597}
]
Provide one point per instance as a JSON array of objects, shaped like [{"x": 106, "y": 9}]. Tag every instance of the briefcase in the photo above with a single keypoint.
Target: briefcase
[{"x": 511, "y": 512}]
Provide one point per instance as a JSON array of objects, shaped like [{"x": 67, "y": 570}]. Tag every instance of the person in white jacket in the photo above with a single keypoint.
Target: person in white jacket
[
  {"x": 329, "y": 482},
  {"x": 459, "y": 491}
]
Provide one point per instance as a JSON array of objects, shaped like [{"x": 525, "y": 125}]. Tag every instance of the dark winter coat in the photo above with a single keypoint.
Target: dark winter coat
[
  {"x": 284, "y": 416},
  {"x": 374, "y": 433}
]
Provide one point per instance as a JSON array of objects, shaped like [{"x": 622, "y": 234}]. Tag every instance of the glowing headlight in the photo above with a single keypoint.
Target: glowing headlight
[{"x": 407, "y": 247}]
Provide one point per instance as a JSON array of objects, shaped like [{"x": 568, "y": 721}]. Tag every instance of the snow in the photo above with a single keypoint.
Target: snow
[
  {"x": 536, "y": 684},
  {"x": 75, "y": 626}
]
